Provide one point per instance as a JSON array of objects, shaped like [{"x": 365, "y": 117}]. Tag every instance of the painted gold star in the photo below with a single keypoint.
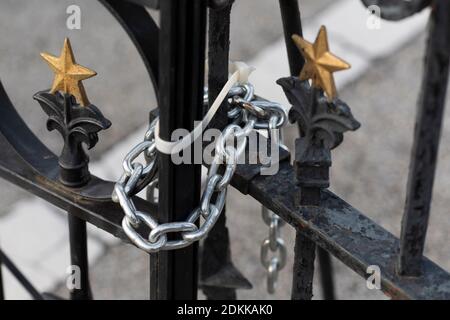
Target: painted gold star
[
  {"x": 68, "y": 74},
  {"x": 320, "y": 63}
]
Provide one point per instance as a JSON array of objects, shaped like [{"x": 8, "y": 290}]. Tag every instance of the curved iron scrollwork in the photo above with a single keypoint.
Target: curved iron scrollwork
[
  {"x": 395, "y": 10},
  {"x": 141, "y": 29},
  {"x": 66, "y": 182},
  {"x": 34, "y": 167}
]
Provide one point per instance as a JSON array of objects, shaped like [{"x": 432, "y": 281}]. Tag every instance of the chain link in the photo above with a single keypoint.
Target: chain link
[
  {"x": 273, "y": 249},
  {"x": 254, "y": 115}
]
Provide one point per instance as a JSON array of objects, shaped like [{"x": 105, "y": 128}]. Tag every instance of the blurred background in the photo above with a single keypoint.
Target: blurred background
[{"x": 369, "y": 168}]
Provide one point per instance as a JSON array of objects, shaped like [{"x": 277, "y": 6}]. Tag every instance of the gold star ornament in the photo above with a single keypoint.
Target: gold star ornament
[
  {"x": 68, "y": 74},
  {"x": 320, "y": 63}
]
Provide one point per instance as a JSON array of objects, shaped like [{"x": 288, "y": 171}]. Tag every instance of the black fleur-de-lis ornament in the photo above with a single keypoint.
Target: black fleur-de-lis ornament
[
  {"x": 322, "y": 123},
  {"x": 321, "y": 116},
  {"x": 72, "y": 115},
  {"x": 77, "y": 125}
]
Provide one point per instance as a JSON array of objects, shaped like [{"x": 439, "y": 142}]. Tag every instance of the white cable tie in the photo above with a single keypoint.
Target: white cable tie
[{"x": 241, "y": 72}]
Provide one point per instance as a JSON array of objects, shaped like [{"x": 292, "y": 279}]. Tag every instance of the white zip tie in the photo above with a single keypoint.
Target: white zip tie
[{"x": 241, "y": 72}]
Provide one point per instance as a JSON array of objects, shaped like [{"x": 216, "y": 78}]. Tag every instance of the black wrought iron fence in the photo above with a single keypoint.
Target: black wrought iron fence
[{"x": 174, "y": 55}]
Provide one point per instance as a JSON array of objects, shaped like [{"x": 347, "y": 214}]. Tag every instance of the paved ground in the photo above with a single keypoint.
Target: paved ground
[{"x": 369, "y": 169}]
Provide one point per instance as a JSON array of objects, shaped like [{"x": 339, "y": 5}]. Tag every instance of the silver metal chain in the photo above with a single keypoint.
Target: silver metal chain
[
  {"x": 273, "y": 249},
  {"x": 246, "y": 115},
  {"x": 273, "y": 245}
]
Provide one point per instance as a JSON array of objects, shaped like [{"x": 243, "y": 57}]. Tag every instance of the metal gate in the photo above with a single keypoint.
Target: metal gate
[{"x": 174, "y": 55}]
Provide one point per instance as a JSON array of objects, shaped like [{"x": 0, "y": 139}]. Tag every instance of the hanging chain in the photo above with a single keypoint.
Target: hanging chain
[
  {"x": 246, "y": 115},
  {"x": 273, "y": 244}
]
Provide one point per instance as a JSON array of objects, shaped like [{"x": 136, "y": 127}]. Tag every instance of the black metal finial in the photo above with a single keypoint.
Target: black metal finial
[
  {"x": 77, "y": 124},
  {"x": 322, "y": 125}
]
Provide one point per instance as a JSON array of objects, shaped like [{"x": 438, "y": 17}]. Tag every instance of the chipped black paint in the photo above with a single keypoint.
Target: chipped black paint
[{"x": 426, "y": 142}]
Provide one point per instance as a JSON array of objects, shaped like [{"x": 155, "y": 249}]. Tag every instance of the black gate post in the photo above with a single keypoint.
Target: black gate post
[
  {"x": 173, "y": 274},
  {"x": 290, "y": 14},
  {"x": 426, "y": 142},
  {"x": 79, "y": 256}
]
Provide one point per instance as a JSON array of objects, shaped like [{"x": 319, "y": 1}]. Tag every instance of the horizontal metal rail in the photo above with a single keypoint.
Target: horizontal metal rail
[
  {"x": 348, "y": 235},
  {"x": 36, "y": 169},
  {"x": 336, "y": 226}
]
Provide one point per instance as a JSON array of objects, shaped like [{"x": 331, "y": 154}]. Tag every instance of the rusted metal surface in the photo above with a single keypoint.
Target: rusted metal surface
[
  {"x": 348, "y": 235},
  {"x": 303, "y": 271}
]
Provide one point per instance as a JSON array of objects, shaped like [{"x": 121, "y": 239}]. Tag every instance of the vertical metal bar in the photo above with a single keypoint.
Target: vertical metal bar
[
  {"x": 218, "y": 55},
  {"x": 79, "y": 256},
  {"x": 219, "y": 277},
  {"x": 173, "y": 274},
  {"x": 290, "y": 14},
  {"x": 303, "y": 273},
  {"x": 326, "y": 274},
  {"x": 426, "y": 141},
  {"x": 304, "y": 251},
  {"x": 20, "y": 277},
  {"x": 217, "y": 265},
  {"x": 74, "y": 173}
]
